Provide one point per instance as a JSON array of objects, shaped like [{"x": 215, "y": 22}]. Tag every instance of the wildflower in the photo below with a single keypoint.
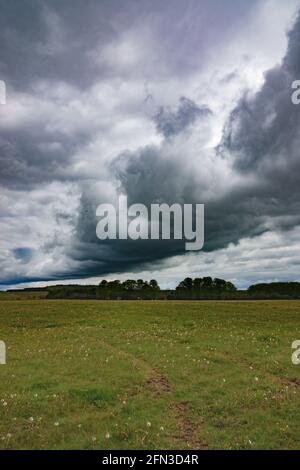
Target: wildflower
[
  {"x": 94, "y": 439},
  {"x": 148, "y": 424},
  {"x": 107, "y": 435},
  {"x": 56, "y": 423},
  {"x": 31, "y": 419}
]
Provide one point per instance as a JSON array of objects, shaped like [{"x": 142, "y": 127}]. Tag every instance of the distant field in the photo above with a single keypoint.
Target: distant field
[
  {"x": 149, "y": 375},
  {"x": 23, "y": 295}
]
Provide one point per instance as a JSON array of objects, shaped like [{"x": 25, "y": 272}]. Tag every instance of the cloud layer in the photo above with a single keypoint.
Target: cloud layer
[{"x": 162, "y": 103}]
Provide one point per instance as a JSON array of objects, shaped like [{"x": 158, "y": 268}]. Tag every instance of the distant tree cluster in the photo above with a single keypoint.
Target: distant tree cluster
[
  {"x": 130, "y": 289},
  {"x": 275, "y": 290},
  {"x": 109, "y": 290},
  {"x": 130, "y": 285},
  {"x": 206, "y": 283},
  {"x": 71, "y": 292},
  {"x": 205, "y": 288}
]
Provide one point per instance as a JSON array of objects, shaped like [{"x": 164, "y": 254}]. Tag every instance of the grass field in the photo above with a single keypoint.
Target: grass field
[{"x": 149, "y": 375}]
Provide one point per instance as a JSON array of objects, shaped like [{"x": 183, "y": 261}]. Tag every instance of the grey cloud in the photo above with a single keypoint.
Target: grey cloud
[
  {"x": 33, "y": 156},
  {"x": 148, "y": 177},
  {"x": 111, "y": 256},
  {"x": 61, "y": 42},
  {"x": 53, "y": 40},
  {"x": 171, "y": 123},
  {"x": 49, "y": 40},
  {"x": 263, "y": 131},
  {"x": 145, "y": 176},
  {"x": 23, "y": 254},
  {"x": 261, "y": 138}
]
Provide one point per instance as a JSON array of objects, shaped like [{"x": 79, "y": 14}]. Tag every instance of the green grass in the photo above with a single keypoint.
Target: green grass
[{"x": 149, "y": 375}]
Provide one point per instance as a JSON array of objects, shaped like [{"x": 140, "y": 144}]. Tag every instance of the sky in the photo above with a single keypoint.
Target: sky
[{"x": 170, "y": 102}]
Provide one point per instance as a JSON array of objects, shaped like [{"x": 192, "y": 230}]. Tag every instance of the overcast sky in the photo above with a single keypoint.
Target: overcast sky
[{"x": 164, "y": 101}]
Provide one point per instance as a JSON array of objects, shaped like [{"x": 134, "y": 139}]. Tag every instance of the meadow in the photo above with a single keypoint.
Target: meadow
[{"x": 149, "y": 375}]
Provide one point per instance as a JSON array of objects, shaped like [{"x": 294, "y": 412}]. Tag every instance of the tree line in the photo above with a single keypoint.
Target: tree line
[
  {"x": 109, "y": 290},
  {"x": 205, "y": 288},
  {"x": 276, "y": 290}
]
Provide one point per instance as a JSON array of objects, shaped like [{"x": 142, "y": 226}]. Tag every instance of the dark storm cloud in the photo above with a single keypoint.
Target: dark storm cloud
[
  {"x": 263, "y": 137},
  {"x": 75, "y": 44},
  {"x": 33, "y": 156},
  {"x": 171, "y": 123},
  {"x": 53, "y": 39},
  {"x": 263, "y": 131},
  {"x": 23, "y": 254},
  {"x": 112, "y": 256},
  {"x": 50, "y": 40},
  {"x": 147, "y": 177}
]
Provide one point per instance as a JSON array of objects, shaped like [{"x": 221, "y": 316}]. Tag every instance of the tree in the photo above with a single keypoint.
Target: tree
[
  {"x": 207, "y": 282},
  {"x": 114, "y": 284},
  {"x": 230, "y": 287},
  {"x": 140, "y": 284},
  {"x": 219, "y": 284},
  {"x": 206, "y": 287},
  {"x": 197, "y": 283},
  {"x": 129, "y": 285},
  {"x": 187, "y": 284},
  {"x": 154, "y": 284}
]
